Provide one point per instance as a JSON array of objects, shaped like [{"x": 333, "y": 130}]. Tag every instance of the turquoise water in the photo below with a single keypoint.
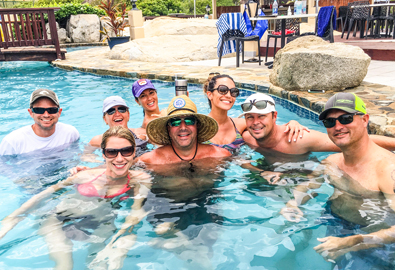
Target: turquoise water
[{"x": 235, "y": 223}]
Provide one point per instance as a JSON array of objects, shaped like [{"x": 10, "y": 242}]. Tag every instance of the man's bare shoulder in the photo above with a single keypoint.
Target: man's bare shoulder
[
  {"x": 249, "y": 139},
  {"x": 96, "y": 141},
  {"x": 156, "y": 156},
  {"x": 214, "y": 151}
]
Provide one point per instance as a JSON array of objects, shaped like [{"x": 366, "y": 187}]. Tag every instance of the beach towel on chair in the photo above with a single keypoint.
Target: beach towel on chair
[
  {"x": 229, "y": 21},
  {"x": 324, "y": 17},
  {"x": 260, "y": 28}
]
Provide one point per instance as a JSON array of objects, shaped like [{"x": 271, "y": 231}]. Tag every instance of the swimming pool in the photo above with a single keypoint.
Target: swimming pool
[{"x": 235, "y": 223}]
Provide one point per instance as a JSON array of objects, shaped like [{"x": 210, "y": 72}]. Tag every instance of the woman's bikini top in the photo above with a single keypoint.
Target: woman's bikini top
[
  {"x": 89, "y": 190},
  {"x": 233, "y": 145}
]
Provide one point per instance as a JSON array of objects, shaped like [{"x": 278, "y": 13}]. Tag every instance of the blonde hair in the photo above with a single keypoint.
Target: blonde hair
[{"x": 119, "y": 132}]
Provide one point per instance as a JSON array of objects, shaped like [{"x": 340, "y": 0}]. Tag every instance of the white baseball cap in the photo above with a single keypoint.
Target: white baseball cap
[
  {"x": 113, "y": 101},
  {"x": 270, "y": 107}
]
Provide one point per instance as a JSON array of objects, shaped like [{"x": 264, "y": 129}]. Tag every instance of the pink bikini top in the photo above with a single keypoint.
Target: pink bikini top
[{"x": 89, "y": 190}]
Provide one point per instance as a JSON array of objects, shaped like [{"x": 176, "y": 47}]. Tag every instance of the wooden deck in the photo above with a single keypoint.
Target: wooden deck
[
  {"x": 378, "y": 49},
  {"x": 25, "y": 38}
]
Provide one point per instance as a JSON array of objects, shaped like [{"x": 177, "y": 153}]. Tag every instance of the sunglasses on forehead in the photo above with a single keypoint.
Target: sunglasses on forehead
[
  {"x": 223, "y": 90},
  {"x": 113, "y": 153},
  {"x": 260, "y": 105},
  {"x": 51, "y": 110},
  {"x": 344, "y": 119},
  {"x": 176, "y": 122},
  {"x": 121, "y": 109}
]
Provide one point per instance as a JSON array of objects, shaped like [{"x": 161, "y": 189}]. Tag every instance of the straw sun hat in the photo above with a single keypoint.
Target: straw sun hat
[{"x": 181, "y": 106}]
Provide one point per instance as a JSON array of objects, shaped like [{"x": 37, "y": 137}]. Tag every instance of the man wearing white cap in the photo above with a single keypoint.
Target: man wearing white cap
[
  {"x": 264, "y": 134},
  {"x": 46, "y": 132}
]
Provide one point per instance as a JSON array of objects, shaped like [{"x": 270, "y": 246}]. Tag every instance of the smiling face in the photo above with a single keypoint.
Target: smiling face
[
  {"x": 260, "y": 126},
  {"x": 184, "y": 136},
  {"x": 148, "y": 99},
  {"x": 44, "y": 122},
  {"x": 117, "y": 119},
  {"x": 118, "y": 166},
  {"x": 346, "y": 135},
  {"x": 224, "y": 102}
]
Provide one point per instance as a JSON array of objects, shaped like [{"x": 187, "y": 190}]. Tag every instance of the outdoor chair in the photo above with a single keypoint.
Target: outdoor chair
[
  {"x": 325, "y": 23},
  {"x": 292, "y": 27},
  {"x": 342, "y": 17},
  {"x": 358, "y": 16},
  {"x": 230, "y": 27}
]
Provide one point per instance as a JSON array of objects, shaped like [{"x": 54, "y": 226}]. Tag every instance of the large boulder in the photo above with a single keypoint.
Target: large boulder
[
  {"x": 311, "y": 63},
  {"x": 62, "y": 36},
  {"x": 167, "y": 49},
  {"x": 84, "y": 28}
]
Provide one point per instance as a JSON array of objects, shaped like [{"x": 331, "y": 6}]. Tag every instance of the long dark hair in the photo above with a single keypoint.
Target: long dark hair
[{"x": 210, "y": 83}]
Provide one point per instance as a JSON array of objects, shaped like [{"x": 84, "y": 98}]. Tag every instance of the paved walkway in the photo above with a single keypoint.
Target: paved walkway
[{"x": 377, "y": 90}]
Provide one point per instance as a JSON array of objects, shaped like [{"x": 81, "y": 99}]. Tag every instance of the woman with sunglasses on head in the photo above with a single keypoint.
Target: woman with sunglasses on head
[
  {"x": 116, "y": 113},
  {"x": 88, "y": 214},
  {"x": 221, "y": 92}
]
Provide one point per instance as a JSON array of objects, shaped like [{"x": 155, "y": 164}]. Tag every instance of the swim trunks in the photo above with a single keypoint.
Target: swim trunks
[{"x": 236, "y": 144}]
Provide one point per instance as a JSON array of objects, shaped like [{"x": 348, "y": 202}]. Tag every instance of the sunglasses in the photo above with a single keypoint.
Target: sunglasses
[
  {"x": 223, "y": 90},
  {"x": 344, "y": 119},
  {"x": 113, "y": 153},
  {"x": 122, "y": 109},
  {"x": 39, "y": 110},
  {"x": 176, "y": 122},
  {"x": 214, "y": 74},
  {"x": 260, "y": 105}
]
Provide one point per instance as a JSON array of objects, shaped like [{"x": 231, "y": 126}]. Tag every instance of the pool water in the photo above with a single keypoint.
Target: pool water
[{"x": 240, "y": 226}]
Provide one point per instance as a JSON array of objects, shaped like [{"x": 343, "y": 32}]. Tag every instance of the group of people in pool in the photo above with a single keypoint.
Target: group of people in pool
[{"x": 196, "y": 143}]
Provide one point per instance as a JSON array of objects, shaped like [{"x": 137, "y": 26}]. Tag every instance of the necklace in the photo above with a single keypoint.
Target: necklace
[{"x": 191, "y": 169}]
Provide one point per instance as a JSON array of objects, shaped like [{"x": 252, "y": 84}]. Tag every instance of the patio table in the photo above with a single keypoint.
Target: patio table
[{"x": 283, "y": 22}]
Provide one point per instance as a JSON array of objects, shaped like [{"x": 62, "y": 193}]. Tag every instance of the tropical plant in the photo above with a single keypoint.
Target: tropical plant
[{"x": 114, "y": 19}]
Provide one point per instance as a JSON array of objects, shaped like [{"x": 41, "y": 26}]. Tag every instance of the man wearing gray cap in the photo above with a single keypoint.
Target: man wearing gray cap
[
  {"x": 363, "y": 177},
  {"x": 46, "y": 132}
]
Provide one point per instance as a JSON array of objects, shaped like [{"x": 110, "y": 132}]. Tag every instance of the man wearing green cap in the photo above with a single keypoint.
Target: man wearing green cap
[{"x": 362, "y": 174}]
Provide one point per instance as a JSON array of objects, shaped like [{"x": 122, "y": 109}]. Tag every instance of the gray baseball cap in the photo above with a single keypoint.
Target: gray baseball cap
[
  {"x": 39, "y": 93},
  {"x": 348, "y": 102}
]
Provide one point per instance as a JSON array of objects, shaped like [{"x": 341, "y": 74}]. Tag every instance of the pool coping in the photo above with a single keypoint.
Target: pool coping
[{"x": 382, "y": 115}]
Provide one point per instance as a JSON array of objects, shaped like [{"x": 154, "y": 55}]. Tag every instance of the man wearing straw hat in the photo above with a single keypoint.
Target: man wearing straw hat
[{"x": 181, "y": 134}]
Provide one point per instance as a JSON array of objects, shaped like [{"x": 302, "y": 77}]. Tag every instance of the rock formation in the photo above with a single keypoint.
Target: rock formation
[
  {"x": 84, "y": 28},
  {"x": 311, "y": 63}
]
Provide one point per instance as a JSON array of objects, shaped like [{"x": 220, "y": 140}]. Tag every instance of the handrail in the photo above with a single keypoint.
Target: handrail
[{"x": 26, "y": 27}]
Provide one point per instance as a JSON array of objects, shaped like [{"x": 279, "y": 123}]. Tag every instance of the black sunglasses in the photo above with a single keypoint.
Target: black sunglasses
[
  {"x": 344, "y": 119},
  {"x": 260, "y": 105},
  {"x": 214, "y": 74},
  {"x": 176, "y": 122},
  {"x": 111, "y": 111},
  {"x": 113, "y": 153},
  {"x": 223, "y": 90},
  {"x": 51, "y": 110}
]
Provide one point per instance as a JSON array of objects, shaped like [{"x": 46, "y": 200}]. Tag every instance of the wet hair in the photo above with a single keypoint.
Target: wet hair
[
  {"x": 119, "y": 132},
  {"x": 211, "y": 81}
]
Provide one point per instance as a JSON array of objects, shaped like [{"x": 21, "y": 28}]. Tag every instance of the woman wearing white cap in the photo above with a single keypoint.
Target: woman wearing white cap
[
  {"x": 116, "y": 113},
  {"x": 221, "y": 92}
]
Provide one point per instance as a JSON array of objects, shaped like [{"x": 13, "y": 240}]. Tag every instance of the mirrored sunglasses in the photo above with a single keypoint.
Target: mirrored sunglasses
[
  {"x": 176, "y": 122},
  {"x": 51, "y": 110},
  {"x": 113, "y": 153},
  {"x": 344, "y": 119},
  {"x": 260, "y": 105},
  {"x": 121, "y": 109},
  {"x": 223, "y": 90}
]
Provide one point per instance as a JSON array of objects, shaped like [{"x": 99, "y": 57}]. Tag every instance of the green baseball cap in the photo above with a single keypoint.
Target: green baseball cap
[{"x": 348, "y": 102}]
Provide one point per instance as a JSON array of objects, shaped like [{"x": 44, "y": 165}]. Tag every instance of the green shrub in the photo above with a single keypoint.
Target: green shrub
[{"x": 159, "y": 7}]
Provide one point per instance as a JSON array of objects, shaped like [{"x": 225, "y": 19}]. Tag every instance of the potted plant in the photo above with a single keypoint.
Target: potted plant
[{"x": 114, "y": 23}]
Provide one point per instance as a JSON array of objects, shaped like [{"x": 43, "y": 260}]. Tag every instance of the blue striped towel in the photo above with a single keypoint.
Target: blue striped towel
[{"x": 232, "y": 21}]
